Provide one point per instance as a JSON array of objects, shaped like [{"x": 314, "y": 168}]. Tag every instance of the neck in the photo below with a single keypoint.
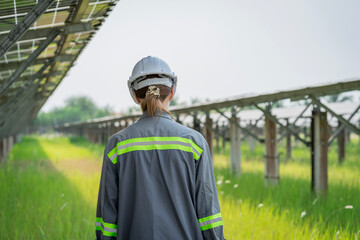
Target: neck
[{"x": 164, "y": 105}]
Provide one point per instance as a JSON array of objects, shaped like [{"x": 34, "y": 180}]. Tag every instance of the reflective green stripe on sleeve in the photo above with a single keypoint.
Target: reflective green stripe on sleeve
[
  {"x": 210, "y": 222},
  {"x": 106, "y": 233},
  {"x": 155, "y": 143},
  {"x": 111, "y": 153},
  {"x": 212, "y": 225},
  {"x": 107, "y": 229},
  {"x": 209, "y": 217},
  {"x": 105, "y": 224}
]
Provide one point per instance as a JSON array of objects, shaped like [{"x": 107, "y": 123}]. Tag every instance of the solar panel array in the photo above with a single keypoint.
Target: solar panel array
[{"x": 26, "y": 83}]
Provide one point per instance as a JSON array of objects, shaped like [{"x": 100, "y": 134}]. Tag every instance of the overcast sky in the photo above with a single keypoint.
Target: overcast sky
[{"x": 219, "y": 48}]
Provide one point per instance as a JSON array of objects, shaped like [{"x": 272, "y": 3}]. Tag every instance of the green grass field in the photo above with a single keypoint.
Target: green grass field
[{"x": 49, "y": 190}]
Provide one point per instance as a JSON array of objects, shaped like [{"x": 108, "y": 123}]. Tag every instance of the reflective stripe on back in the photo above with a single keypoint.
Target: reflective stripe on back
[{"x": 155, "y": 143}]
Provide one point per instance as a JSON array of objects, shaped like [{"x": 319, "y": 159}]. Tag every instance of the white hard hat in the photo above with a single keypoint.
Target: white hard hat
[{"x": 151, "y": 66}]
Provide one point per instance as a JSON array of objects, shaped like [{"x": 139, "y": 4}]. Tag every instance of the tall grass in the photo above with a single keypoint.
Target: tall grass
[
  {"x": 49, "y": 191},
  {"x": 289, "y": 210}
]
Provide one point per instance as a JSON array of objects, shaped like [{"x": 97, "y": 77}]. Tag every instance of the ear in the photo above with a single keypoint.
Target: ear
[
  {"x": 171, "y": 95},
  {"x": 137, "y": 99}
]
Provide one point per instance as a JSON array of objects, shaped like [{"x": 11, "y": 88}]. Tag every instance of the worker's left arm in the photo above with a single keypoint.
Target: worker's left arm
[
  {"x": 207, "y": 203},
  {"x": 107, "y": 207}
]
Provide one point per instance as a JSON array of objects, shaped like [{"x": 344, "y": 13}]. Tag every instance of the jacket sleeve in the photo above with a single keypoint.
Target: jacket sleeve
[
  {"x": 207, "y": 203},
  {"x": 107, "y": 206}
]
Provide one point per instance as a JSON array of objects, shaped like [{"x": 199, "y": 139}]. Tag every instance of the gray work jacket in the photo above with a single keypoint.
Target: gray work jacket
[{"x": 157, "y": 182}]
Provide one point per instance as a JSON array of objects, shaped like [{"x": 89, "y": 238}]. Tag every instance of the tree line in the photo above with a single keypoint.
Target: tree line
[{"x": 78, "y": 108}]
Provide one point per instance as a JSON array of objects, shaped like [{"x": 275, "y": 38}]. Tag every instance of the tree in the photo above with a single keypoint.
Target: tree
[
  {"x": 76, "y": 109},
  {"x": 176, "y": 102},
  {"x": 195, "y": 100}
]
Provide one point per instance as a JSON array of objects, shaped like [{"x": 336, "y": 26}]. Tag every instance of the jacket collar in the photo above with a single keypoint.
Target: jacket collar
[{"x": 158, "y": 114}]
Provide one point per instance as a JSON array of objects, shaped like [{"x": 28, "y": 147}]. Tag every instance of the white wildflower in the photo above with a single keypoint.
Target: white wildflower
[
  {"x": 349, "y": 207},
  {"x": 303, "y": 213},
  {"x": 41, "y": 230},
  {"x": 63, "y": 206},
  {"x": 219, "y": 182},
  {"x": 236, "y": 186},
  {"x": 260, "y": 205},
  {"x": 227, "y": 181},
  {"x": 337, "y": 235}
]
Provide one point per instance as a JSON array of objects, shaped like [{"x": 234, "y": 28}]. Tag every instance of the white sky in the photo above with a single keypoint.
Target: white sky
[{"x": 219, "y": 48}]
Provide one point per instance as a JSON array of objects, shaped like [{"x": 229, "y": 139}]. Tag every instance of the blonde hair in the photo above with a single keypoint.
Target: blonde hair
[{"x": 150, "y": 96}]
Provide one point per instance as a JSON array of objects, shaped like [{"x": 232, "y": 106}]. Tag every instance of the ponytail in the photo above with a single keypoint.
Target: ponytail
[{"x": 150, "y": 96}]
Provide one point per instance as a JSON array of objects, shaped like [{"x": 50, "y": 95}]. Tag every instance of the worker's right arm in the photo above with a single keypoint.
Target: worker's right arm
[
  {"x": 207, "y": 203},
  {"x": 106, "y": 214}
]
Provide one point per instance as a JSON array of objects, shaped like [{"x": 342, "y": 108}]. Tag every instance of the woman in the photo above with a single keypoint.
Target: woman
[{"x": 157, "y": 179}]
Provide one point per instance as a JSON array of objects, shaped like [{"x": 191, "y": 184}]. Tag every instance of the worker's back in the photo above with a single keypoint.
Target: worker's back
[{"x": 157, "y": 183}]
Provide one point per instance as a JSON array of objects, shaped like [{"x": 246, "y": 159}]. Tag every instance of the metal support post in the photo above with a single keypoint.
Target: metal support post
[
  {"x": 223, "y": 131},
  {"x": 91, "y": 134},
  {"x": 103, "y": 130},
  {"x": 359, "y": 135},
  {"x": 341, "y": 143},
  {"x": 251, "y": 140},
  {"x": 24, "y": 25},
  {"x": 271, "y": 155},
  {"x": 209, "y": 134},
  {"x": 1, "y": 150},
  {"x": 178, "y": 119},
  {"x": 28, "y": 61},
  {"x": 95, "y": 134},
  {"x": 288, "y": 145},
  {"x": 98, "y": 135},
  {"x": 217, "y": 135},
  {"x": 251, "y": 144},
  {"x": 18, "y": 138},
  {"x": 319, "y": 153},
  {"x": 85, "y": 132},
  {"x": 348, "y": 135},
  {"x": 111, "y": 130},
  {"x": 196, "y": 123},
  {"x": 235, "y": 147},
  {"x": 10, "y": 143},
  {"x": 88, "y": 133},
  {"x": 4, "y": 149}
]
